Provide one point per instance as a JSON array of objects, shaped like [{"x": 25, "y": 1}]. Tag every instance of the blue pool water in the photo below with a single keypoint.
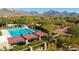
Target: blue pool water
[{"x": 20, "y": 31}]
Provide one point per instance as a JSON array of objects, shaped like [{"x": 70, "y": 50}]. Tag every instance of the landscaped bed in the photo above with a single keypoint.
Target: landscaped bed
[
  {"x": 45, "y": 40},
  {"x": 51, "y": 47}
]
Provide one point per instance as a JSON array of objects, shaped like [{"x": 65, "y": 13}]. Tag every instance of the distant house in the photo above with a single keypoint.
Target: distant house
[{"x": 11, "y": 25}]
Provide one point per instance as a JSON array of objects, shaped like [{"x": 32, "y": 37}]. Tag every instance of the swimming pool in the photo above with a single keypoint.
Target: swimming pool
[{"x": 20, "y": 31}]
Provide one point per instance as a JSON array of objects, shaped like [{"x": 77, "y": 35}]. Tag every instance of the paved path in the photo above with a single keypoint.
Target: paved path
[{"x": 61, "y": 31}]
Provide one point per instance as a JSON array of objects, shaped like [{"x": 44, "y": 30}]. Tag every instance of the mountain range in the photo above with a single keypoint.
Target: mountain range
[{"x": 9, "y": 12}]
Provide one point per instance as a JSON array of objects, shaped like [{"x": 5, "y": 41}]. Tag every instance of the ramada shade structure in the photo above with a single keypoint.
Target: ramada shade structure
[
  {"x": 23, "y": 38},
  {"x": 13, "y": 40},
  {"x": 41, "y": 34},
  {"x": 30, "y": 37}
]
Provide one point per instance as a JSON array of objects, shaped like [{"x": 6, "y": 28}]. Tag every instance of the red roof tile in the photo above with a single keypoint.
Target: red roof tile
[
  {"x": 30, "y": 36},
  {"x": 15, "y": 39},
  {"x": 41, "y": 33}
]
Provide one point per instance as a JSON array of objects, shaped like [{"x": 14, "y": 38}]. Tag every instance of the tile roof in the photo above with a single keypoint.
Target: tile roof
[
  {"x": 15, "y": 39},
  {"x": 30, "y": 36},
  {"x": 41, "y": 33},
  {"x": 12, "y": 40}
]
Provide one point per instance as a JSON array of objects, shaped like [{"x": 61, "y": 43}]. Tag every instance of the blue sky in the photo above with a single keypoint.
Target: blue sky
[{"x": 40, "y": 10}]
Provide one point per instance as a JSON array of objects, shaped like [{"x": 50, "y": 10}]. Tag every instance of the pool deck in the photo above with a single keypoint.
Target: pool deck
[
  {"x": 3, "y": 39},
  {"x": 26, "y": 26},
  {"x": 5, "y": 33}
]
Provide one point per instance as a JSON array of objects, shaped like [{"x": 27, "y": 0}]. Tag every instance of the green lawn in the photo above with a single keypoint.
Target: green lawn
[
  {"x": 19, "y": 48},
  {"x": 33, "y": 43},
  {"x": 0, "y": 33},
  {"x": 38, "y": 42}
]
